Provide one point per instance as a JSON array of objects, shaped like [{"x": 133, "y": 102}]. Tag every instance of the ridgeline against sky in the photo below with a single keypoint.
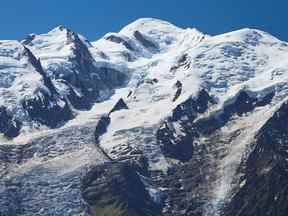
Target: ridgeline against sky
[{"x": 95, "y": 18}]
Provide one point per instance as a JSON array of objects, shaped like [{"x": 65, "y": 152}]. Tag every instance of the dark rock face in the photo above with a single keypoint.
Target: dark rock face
[
  {"x": 95, "y": 84},
  {"x": 46, "y": 107},
  {"x": 120, "y": 40},
  {"x": 173, "y": 145},
  {"x": 86, "y": 82},
  {"x": 144, "y": 41},
  {"x": 192, "y": 107},
  {"x": 198, "y": 172},
  {"x": 241, "y": 104},
  {"x": 101, "y": 127},
  {"x": 119, "y": 106},
  {"x": 190, "y": 184},
  {"x": 147, "y": 81},
  {"x": 245, "y": 103},
  {"x": 78, "y": 101},
  {"x": 184, "y": 61},
  {"x": 188, "y": 188},
  {"x": 83, "y": 75},
  {"x": 115, "y": 189},
  {"x": 178, "y": 86},
  {"x": 37, "y": 65},
  {"x": 9, "y": 126},
  {"x": 47, "y": 110},
  {"x": 92, "y": 77},
  {"x": 265, "y": 188},
  {"x": 180, "y": 146}
]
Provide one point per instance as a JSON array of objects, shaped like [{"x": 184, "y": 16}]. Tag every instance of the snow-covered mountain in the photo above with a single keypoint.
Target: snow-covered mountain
[{"x": 153, "y": 120}]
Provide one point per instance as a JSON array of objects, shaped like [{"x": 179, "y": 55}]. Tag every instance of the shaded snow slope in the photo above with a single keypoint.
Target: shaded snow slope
[{"x": 184, "y": 93}]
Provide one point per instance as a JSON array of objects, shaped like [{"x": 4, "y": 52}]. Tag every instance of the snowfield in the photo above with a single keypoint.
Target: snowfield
[{"x": 42, "y": 167}]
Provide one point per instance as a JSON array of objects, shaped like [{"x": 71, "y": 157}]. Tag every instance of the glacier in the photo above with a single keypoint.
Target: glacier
[{"x": 196, "y": 107}]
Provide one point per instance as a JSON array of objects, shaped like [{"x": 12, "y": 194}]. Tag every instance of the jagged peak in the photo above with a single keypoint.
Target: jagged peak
[
  {"x": 55, "y": 37},
  {"x": 60, "y": 28},
  {"x": 67, "y": 34},
  {"x": 60, "y": 41},
  {"x": 59, "y": 34},
  {"x": 70, "y": 34}
]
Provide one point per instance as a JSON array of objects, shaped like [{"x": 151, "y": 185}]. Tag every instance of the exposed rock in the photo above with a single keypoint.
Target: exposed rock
[
  {"x": 201, "y": 160},
  {"x": 184, "y": 61},
  {"x": 78, "y": 101},
  {"x": 37, "y": 65},
  {"x": 9, "y": 126},
  {"x": 115, "y": 189},
  {"x": 151, "y": 81},
  {"x": 179, "y": 146},
  {"x": 147, "y": 81},
  {"x": 264, "y": 185},
  {"x": 241, "y": 104},
  {"x": 129, "y": 94},
  {"x": 119, "y": 106},
  {"x": 192, "y": 106},
  {"x": 117, "y": 39},
  {"x": 144, "y": 41},
  {"x": 47, "y": 110},
  {"x": 101, "y": 127},
  {"x": 80, "y": 79},
  {"x": 179, "y": 143},
  {"x": 46, "y": 107},
  {"x": 178, "y": 86}
]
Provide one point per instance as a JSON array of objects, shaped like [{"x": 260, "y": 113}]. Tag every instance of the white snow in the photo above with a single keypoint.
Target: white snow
[
  {"x": 18, "y": 77},
  {"x": 223, "y": 64}
]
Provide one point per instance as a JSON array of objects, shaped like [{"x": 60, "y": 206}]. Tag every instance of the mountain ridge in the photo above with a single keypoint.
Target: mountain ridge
[{"x": 194, "y": 111}]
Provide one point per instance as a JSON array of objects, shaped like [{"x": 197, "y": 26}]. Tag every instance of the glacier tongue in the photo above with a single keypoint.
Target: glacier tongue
[{"x": 211, "y": 94}]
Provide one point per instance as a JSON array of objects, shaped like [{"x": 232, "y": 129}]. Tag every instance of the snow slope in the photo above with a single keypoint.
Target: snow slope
[
  {"x": 224, "y": 65},
  {"x": 19, "y": 78},
  {"x": 165, "y": 66}
]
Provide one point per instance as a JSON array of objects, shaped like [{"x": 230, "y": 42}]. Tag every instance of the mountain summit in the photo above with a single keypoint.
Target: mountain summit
[{"x": 152, "y": 120}]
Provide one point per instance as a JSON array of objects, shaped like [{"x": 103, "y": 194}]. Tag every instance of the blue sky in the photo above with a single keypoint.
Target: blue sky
[{"x": 94, "y": 18}]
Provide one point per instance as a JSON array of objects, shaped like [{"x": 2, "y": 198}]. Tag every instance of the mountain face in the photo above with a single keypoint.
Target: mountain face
[
  {"x": 27, "y": 93},
  {"x": 152, "y": 120}
]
